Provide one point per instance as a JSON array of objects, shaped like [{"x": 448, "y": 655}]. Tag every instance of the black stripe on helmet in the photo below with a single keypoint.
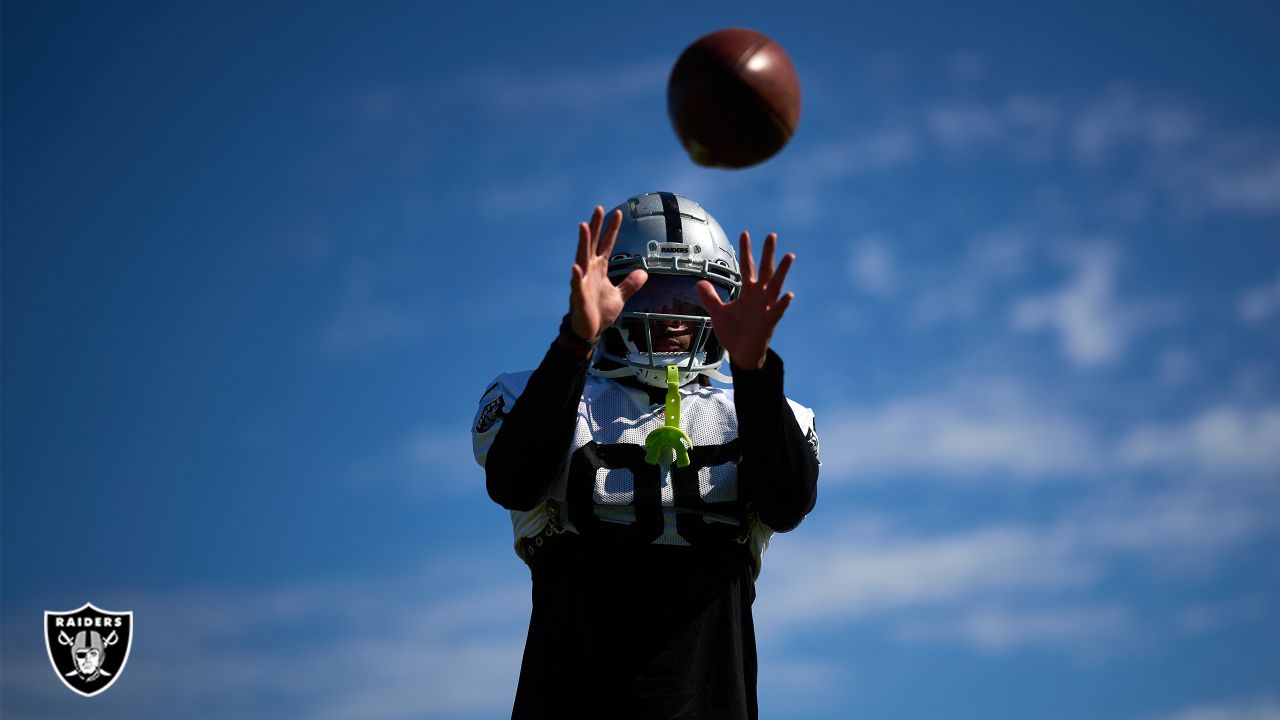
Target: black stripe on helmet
[{"x": 671, "y": 212}]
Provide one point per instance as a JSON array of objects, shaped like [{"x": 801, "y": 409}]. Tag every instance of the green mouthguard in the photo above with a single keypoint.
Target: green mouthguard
[{"x": 669, "y": 436}]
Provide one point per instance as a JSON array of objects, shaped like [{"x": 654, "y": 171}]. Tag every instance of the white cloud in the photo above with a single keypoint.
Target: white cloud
[
  {"x": 1177, "y": 532},
  {"x": 960, "y": 291},
  {"x": 1197, "y": 166},
  {"x": 961, "y": 127},
  {"x": 1242, "y": 709},
  {"x": 1122, "y": 119},
  {"x": 991, "y": 584},
  {"x": 1091, "y": 324},
  {"x": 851, "y": 575},
  {"x": 1249, "y": 182},
  {"x": 1001, "y": 629},
  {"x": 806, "y": 176},
  {"x": 1222, "y": 439},
  {"x": 1021, "y": 127},
  {"x": 980, "y": 429},
  {"x": 591, "y": 88},
  {"x": 1173, "y": 150},
  {"x": 1204, "y": 618},
  {"x": 871, "y": 266},
  {"x": 1259, "y": 303},
  {"x": 884, "y": 149},
  {"x": 997, "y": 430}
]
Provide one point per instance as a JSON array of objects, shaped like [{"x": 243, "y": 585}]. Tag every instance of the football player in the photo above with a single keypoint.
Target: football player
[{"x": 641, "y": 495}]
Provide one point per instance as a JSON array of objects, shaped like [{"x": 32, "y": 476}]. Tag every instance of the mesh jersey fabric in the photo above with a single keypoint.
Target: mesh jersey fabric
[{"x": 605, "y": 463}]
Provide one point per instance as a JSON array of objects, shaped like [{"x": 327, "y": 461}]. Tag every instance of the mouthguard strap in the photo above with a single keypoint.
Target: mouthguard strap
[{"x": 669, "y": 436}]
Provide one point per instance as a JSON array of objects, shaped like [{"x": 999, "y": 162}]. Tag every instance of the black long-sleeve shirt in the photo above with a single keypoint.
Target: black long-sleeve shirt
[{"x": 642, "y": 590}]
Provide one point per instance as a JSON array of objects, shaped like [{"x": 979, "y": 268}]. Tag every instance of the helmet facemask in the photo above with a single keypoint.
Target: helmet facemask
[{"x": 665, "y": 323}]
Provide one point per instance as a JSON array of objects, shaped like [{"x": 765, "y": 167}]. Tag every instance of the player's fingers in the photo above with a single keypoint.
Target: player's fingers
[
  {"x": 597, "y": 218},
  {"x": 744, "y": 252},
  {"x": 707, "y": 294},
  {"x": 779, "y": 277},
  {"x": 584, "y": 244},
  {"x": 780, "y": 307},
  {"x": 610, "y": 234},
  {"x": 631, "y": 283},
  {"x": 766, "y": 257}
]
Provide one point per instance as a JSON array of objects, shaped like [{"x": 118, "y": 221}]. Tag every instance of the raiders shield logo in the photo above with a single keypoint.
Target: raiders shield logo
[
  {"x": 88, "y": 647},
  {"x": 491, "y": 414}
]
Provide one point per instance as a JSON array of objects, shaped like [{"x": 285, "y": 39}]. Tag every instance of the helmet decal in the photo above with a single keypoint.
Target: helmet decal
[{"x": 671, "y": 213}]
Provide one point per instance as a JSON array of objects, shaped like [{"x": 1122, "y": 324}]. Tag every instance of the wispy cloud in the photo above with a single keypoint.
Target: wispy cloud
[
  {"x": 962, "y": 290},
  {"x": 874, "y": 151},
  {"x": 1173, "y": 150},
  {"x": 995, "y": 629},
  {"x": 808, "y": 176},
  {"x": 589, "y": 89},
  {"x": 1000, "y": 429},
  {"x": 1267, "y": 708},
  {"x": 1092, "y": 324},
  {"x": 1006, "y": 585},
  {"x": 979, "y": 429},
  {"x": 1210, "y": 617},
  {"x": 1221, "y": 439},
  {"x": 855, "y": 573},
  {"x": 1019, "y": 127},
  {"x": 445, "y": 643},
  {"x": 872, "y": 267},
  {"x": 1121, "y": 119},
  {"x": 1258, "y": 303},
  {"x": 1243, "y": 174}
]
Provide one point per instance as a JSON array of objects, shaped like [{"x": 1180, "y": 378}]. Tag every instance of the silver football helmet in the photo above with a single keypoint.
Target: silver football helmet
[{"x": 665, "y": 323}]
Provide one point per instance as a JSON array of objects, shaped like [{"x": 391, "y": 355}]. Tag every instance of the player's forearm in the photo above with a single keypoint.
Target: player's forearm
[
  {"x": 779, "y": 472},
  {"x": 528, "y": 453}
]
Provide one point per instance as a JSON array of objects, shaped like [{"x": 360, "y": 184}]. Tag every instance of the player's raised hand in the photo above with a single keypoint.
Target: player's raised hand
[
  {"x": 745, "y": 325},
  {"x": 594, "y": 301}
]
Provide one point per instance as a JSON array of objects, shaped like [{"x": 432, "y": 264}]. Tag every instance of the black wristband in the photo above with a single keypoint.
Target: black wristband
[{"x": 571, "y": 338}]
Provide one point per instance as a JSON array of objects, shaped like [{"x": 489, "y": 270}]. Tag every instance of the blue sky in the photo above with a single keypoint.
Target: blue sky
[{"x": 260, "y": 260}]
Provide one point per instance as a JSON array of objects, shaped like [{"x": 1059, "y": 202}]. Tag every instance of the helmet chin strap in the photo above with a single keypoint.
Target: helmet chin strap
[
  {"x": 669, "y": 436},
  {"x": 633, "y": 371},
  {"x": 715, "y": 374},
  {"x": 654, "y": 368}
]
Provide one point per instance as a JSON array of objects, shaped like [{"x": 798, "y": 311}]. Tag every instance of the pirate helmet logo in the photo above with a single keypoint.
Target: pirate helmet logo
[{"x": 88, "y": 647}]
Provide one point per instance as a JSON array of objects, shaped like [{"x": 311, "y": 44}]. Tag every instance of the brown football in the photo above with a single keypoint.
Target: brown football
[{"x": 734, "y": 98}]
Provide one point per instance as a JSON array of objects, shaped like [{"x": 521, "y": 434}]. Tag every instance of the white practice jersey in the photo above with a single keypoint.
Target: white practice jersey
[{"x": 607, "y": 489}]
